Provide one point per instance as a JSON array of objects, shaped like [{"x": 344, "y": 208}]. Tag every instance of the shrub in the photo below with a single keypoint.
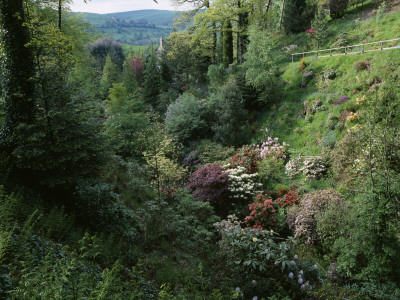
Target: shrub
[
  {"x": 228, "y": 117},
  {"x": 329, "y": 140},
  {"x": 342, "y": 40},
  {"x": 271, "y": 171},
  {"x": 289, "y": 199},
  {"x": 193, "y": 160},
  {"x": 185, "y": 119},
  {"x": 302, "y": 65},
  {"x": 316, "y": 105},
  {"x": 303, "y": 219},
  {"x": 242, "y": 185},
  {"x": 262, "y": 214},
  {"x": 330, "y": 223},
  {"x": 212, "y": 152},
  {"x": 272, "y": 149},
  {"x": 329, "y": 74},
  {"x": 261, "y": 255},
  {"x": 314, "y": 167},
  {"x": 341, "y": 99},
  {"x": 293, "y": 167},
  {"x": 246, "y": 158},
  {"x": 210, "y": 183},
  {"x": 337, "y": 8},
  {"x": 362, "y": 65},
  {"x": 331, "y": 121}
]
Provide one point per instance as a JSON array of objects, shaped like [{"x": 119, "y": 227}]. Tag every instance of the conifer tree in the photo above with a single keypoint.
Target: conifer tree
[
  {"x": 128, "y": 76},
  {"x": 152, "y": 80},
  {"x": 298, "y": 15},
  {"x": 228, "y": 44},
  {"x": 18, "y": 91},
  {"x": 110, "y": 76}
]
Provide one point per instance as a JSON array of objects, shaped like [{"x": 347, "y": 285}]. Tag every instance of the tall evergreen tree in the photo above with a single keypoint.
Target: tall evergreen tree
[
  {"x": 19, "y": 89},
  {"x": 297, "y": 15},
  {"x": 152, "y": 80},
  {"x": 128, "y": 76},
  {"x": 110, "y": 75},
  {"x": 228, "y": 44}
]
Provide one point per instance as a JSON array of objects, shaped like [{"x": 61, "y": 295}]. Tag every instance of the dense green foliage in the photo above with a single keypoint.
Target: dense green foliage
[{"x": 214, "y": 167}]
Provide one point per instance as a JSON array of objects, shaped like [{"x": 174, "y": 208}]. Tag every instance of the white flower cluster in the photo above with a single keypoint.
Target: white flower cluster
[
  {"x": 293, "y": 167},
  {"x": 313, "y": 167},
  {"x": 228, "y": 225},
  {"x": 241, "y": 184}
]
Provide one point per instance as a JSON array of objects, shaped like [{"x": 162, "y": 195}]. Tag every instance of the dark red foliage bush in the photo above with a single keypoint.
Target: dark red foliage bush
[{"x": 210, "y": 183}]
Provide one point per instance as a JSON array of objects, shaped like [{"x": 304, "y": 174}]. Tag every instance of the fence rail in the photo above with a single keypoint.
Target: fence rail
[{"x": 354, "y": 49}]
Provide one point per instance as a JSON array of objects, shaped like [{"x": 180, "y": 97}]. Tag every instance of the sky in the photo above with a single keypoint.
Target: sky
[{"x": 109, "y": 6}]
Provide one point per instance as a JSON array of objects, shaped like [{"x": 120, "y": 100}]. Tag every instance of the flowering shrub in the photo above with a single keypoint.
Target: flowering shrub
[
  {"x": 290, "y": 199},
  {"x": 303, "y": 218},
  {"x": 210, "y": 183},
  {"x": 262, "y": 213},
  {"x": 314, "y": 167},
  {"x": 192, "y": 160},
  {"x": 293, "y": 167},
  {"x": 246, "y": 158},
  {"x": 242, "y": 186},
  {"x": 271, "y": 149},
  {"x": 310, "y": 31},
  {"x": 360, "y": 101},
  {"x": 352, "y": 116},
  {"x": 168, "y": 195},
  {"x": 230, "y": 224},
  {"x": 261, "y": 253}
]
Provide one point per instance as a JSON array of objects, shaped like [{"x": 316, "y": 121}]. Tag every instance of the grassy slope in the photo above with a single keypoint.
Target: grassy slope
[{"x": 285, "y": 119}]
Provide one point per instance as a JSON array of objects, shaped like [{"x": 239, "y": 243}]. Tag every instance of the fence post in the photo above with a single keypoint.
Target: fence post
[
  {"x": 381, "y": 46},
  {"x": 345, "y": 50},
  {"x": 330, "y": 52},
  {"x": 303, "y": 54},
  {"x": 292, "y": 57}
]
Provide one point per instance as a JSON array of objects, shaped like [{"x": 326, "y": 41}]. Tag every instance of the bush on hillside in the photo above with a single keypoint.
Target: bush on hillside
[
  {"x": 210, "y": 183},
  {"x": 303, "y": 218},
  {"x": 185, "y": 118},
  {"x": 362, "y": 65}
]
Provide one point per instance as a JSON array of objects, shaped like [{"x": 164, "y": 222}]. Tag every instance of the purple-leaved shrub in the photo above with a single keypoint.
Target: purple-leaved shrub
[{"x": 210, "y": 183}]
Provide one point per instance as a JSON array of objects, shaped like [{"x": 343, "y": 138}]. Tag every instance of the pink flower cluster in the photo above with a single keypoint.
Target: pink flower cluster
[
  {"x": 271, "y": 149},
  {"x": 310, "y": 31}
]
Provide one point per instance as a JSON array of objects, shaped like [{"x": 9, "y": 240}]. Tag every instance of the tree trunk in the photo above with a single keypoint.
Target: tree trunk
[
  {"x": 268, "y": 6},
  {"x": 281, "y": 18},
  {"x": 19, "y": 88},
  {"x": 19, "y": 67},
  {"x": 59, "y": 13}
]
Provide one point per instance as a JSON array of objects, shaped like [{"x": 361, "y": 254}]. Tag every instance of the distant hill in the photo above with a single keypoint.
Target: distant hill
[
  {"x": 139, "y": 27},
  {"x": 153, "y": 16}
]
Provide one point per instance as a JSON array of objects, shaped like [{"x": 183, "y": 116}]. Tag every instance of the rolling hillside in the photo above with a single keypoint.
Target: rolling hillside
[{"x": 141, "y": 27}]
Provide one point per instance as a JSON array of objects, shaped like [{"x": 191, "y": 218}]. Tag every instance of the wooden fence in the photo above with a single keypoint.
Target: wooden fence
[{"x": 354, "y": 49}]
